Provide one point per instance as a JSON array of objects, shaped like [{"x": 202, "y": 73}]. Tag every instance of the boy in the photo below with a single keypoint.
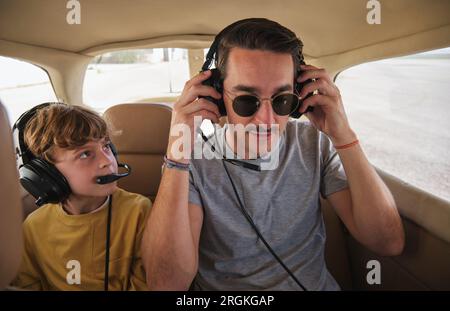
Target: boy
[{"x": 91, "y": 240}]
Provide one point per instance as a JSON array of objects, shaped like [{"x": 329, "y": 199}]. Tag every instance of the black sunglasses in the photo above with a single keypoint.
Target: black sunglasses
[{"x": 283, "y": 104}]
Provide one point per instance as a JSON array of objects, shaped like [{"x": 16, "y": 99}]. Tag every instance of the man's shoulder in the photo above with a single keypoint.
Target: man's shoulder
[
  {"x": 303, "y": 132},
  {"x": 302, "y": 127}
]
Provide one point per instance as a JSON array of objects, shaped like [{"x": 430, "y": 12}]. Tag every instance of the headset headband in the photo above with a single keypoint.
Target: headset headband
[{"x": 24, "y": 154}]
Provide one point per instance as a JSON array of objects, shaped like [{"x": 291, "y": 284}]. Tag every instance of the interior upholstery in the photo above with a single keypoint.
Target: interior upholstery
[
  {"x": 10, "y": 208},
  {"x": 140, "y": 133},
  {"x": 336, "y": 251},
  {"x": 144, "y": 20},
  {"x": 424, "y": 262}
]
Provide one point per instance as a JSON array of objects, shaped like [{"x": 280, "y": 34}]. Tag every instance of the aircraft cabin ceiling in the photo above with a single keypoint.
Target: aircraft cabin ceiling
[{"x": 327, "y": 27}]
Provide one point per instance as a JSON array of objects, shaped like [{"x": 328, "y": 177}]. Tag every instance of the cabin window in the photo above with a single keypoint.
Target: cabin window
[
  {"x": 400, "y": 110},
  {"x": 132, "y": 76},
  {"x": 23, "y": 86}
]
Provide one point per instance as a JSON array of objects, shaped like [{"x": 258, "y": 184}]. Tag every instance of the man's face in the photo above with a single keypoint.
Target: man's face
[
  {"x": 263, "y": 74},
  {"x": 82, "y": 166}
]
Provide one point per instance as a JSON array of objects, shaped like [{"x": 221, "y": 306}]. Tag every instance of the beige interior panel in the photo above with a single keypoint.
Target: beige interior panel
[
  {"x": 425, "y": 209},
  {"x": 10, "y": 206},
  {"x": 424, "y": 263},
  {"x": 140, "y": 133},
  {"x": 345, "y": 28},
  {"x": 336, "y": 252}
]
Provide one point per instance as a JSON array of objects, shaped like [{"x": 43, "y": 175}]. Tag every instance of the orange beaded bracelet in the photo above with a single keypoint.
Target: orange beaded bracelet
[{"x": 347, "y": 145}]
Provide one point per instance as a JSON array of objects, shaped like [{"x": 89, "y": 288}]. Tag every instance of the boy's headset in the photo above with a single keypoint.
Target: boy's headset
[
  {"x": 40, "y": 177},
  {"x": 216, "y": 80}
]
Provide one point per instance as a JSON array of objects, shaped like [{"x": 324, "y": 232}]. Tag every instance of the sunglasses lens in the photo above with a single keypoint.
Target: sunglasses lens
[
  {"x": 245, "y": 105},
  {"x": 285, "y": 104}
]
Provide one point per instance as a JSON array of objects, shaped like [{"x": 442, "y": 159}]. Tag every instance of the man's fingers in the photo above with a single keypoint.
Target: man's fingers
[
  {"x": 202, "y": 104},
  {"x": 206, "y": 114},
  {"x": 316, "y": 73},
  {"x": 199, "y": 78},
  {"x": 192, "y": 93},
  {"x": 320, "y": 85},
  {"x": 315, "y": 100}
]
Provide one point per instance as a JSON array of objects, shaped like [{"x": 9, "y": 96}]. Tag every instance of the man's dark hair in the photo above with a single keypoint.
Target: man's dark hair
[{"x": 257, "y": 34}]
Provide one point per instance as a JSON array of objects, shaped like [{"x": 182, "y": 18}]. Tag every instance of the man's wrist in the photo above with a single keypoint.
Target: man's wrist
[
  {"x": 344, "y": 139},
  {"x": 176, "y": 165},
  {"x": 177, "y": 156}
]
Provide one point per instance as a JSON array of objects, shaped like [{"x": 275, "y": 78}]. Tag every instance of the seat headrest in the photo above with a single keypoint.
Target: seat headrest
[{"x": 140, "y": 133}]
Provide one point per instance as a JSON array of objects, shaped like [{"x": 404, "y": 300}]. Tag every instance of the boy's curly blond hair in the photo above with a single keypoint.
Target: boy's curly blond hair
[{"x": 64, "y": 126}]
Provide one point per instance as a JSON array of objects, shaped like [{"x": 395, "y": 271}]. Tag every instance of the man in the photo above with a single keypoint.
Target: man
[{"x": 200, "y": 233}]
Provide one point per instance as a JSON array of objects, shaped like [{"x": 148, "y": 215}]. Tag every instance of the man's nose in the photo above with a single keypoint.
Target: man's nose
[{"x": 265, "y": 113}]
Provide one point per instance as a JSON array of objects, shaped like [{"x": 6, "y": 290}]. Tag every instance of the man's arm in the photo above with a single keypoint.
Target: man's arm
[
  {"x": 367, "y": 208},
  {"x": 171, "y": 238}
]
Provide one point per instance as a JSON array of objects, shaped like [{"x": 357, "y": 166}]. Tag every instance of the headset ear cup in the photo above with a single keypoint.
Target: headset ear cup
[
  {"x": 215, "y": 81},
  {"x": 218, "y": 86},
  {"x": 298, "y": 88},
  {"x": 43, "y": 180}
]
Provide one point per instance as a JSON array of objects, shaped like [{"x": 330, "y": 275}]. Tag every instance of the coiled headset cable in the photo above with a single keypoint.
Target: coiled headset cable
[
  {"x": 108, "y": 237},
  {"x": 244, "y": 211}
]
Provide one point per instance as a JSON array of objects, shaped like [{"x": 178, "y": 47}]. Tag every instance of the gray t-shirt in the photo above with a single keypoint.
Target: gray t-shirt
[{"x": 283, "y": 203}]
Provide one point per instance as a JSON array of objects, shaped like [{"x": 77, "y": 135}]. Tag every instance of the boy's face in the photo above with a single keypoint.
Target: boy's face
[{"x": 82, "y": 166}]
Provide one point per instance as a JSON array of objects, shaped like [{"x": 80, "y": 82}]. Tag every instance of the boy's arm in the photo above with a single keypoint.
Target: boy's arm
[{"x": 28, "y": 276}]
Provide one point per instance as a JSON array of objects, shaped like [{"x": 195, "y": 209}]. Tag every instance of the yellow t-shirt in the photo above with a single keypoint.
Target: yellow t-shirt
[{"x": 67, "y": 252}]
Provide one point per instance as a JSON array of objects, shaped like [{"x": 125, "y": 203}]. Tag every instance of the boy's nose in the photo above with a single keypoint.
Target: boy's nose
[{"x": 106, "y": 158}]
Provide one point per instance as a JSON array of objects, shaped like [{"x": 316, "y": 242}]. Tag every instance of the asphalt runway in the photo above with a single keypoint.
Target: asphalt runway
[{"x": 401, "y": 111}]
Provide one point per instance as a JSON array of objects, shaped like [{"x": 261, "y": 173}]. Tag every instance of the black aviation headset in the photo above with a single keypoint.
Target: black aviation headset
[
  {"x": 216, "y": 81},
  {"x": 40, "y": 177}
]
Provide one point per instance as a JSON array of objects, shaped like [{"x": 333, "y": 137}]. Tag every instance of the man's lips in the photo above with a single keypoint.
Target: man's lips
[{"x": 261, "y": 133}]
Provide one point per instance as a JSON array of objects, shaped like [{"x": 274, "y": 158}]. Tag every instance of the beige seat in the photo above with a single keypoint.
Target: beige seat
[
  {"x": 140, "y": 133},
  {"x": 424, "y": 263},
  {"x": 10, "y": 208}
]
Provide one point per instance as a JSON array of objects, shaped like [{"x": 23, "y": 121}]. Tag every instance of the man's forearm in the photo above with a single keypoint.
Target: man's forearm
[
  {"x": 375, "y": 214},
  {"x": 168, "y": 249}
]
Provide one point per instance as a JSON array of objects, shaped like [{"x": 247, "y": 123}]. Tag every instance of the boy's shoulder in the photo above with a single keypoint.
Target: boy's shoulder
[
  {"x": 128, "y": 200},
  {"x": 41, "y": 215}
]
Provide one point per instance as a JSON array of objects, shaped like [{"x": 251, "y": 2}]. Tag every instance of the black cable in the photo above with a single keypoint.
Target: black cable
[
  {"x": 108, "y": 235},
  {"x": 250, "y": 220}
]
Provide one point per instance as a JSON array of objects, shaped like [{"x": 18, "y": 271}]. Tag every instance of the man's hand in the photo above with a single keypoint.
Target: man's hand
[
  {"x": 329, "y": 114},
  {"x": 189, "y": 105}
]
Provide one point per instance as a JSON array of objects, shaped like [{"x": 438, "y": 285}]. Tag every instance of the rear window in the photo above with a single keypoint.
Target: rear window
[
  {"x": 400, "y": 109},
  {"x": 23, "y": 86},
  {"x": 135, "y": 76}
]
